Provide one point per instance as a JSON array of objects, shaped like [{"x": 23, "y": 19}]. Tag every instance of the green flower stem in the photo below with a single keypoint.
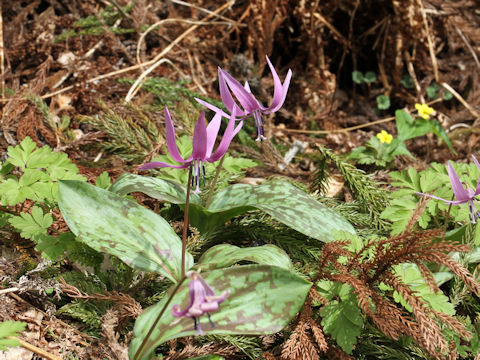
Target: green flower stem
[
  {"x": 185, "y": 221},
  {"x": 184, "y": 246},
  {"x": 145, "y": 339},
  {"x": 214, "y": 181}
]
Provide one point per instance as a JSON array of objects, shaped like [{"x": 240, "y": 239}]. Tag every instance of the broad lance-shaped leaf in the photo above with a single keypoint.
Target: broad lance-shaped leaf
[
  {"x": 263, "y": 299},
  {"x": 224, "y": 255},
  {"x": 110, "y": 223},
  {"x": 160, "y": 189},
  {"x": 281, "y": 200}
]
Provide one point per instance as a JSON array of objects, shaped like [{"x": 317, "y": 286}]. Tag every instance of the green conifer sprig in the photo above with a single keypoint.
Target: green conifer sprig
[
  {"x": 132, "y": 136},
  {"x": 373, "y": 198},
  {"x": 249, "y": 345}
]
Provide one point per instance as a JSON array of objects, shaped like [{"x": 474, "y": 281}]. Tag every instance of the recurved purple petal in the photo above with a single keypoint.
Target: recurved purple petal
[
  {"x": 170, "y": 135},
  {"x": 227, "y": 98},
  {"x": 454, "y": 202},
  {"x": 211, "y": 107},
  {"x": 245, "y": 98},
  {"x": 157, "y": 164},
  {"x": 177, "y": 312},
  {"x": 279, "y": 90},
  {"x": 200, "y": 138},
  {"x": 460, "y": 193},
  {"x": 212, "y": 132},
  {"x": 230, "y": 132}
]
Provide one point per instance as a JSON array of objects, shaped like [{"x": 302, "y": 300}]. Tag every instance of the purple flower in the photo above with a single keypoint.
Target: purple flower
[
  {"x": 203, "y": 142},
  {"x": 250, "y": 105},
  {"x": 202, "y": 300},
  {"x": 463, "y": 195}
]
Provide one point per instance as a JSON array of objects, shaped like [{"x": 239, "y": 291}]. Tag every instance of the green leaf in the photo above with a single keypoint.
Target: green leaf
[
  {"x": 399, "y": 213},
  {"x": 279, "y": 199},
  {"x": 411, "y": 276},
  {"x": 236, "y": 165},
  {"x": 383, "y": 102},
  {"x": 263, "y": 299},
  {"x": 432, "y": 91},
  {"x": 31, "y": 225},
  {"x": 11, "y": 192},
  {"x": 53, "y": 247},
  {"x": 165, "y": 190},
  {"x": 103, "y": 180},
  {"x": 407, "y": 82},
  {"x": 341, "y": 317},
  {"x": 397, "y": 147},
  {"x": 7, "y": 329},
  {"x": 224, "y": 255},
  {"x": 357, "y": 77},
  {"x": 408, "y": 128},
  {"x": 447, "y": 95},
  {"x": 438, "y": 130},
  {"x": 108, "y": 222},
  {"x": 4, "y": 217},
  {"x": 42, "y": 167},
  {"x": 369, "y": 77},
  {"x": 18, "y": 155}
]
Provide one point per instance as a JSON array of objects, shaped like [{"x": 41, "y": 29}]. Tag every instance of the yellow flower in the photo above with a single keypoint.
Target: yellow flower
[
  {"x": 384, "y": 137},
  {"x": 424, "y": 110}
]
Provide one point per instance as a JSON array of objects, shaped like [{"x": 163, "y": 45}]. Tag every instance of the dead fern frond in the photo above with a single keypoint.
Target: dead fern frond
[
  {"x": 374, "y": 265},
  {"x": 307, "y": 340}
]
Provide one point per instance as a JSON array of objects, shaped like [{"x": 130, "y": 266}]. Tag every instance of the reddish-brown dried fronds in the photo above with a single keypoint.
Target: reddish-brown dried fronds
[
  {"x": 364, "y": 272},
  {"x": 307, "y": 340},
  {"x": 458, "y": 270}
]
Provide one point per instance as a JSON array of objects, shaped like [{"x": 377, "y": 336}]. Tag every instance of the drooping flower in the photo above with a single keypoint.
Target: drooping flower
[
  {"x": 202, "y": 301},
  {"x": 463, "y": 195},
  {"x": 424, "y": 111},
  {"x": 384, "y": 137},
  {"x": 203, "y": 142},
  {"x": 250, "y": 105}
]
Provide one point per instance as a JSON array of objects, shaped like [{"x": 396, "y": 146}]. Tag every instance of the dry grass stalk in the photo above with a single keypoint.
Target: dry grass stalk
[{"x": 158, "y": 59}]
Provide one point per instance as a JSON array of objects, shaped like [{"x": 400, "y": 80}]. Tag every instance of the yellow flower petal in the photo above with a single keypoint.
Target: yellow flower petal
[
  {"x": 424, "y": 110},
  {"x": 384, "y": 137}
]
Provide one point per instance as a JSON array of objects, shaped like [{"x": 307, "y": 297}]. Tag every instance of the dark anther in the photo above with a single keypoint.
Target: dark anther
[{"x": 210, "y": 320}]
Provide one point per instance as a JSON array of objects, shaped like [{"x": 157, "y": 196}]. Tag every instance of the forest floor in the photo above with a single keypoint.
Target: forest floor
[{"x": 68, "y": 80}]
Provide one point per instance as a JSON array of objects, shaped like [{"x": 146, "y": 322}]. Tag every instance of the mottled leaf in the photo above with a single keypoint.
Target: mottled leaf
[
  {"x": 263, "y": 299},
  {"x": 110, "y": 223},
  {"x": 283, "y": 201},
  {"x": 156, "y": 188},
  {"x": 224, "y": 255}
]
